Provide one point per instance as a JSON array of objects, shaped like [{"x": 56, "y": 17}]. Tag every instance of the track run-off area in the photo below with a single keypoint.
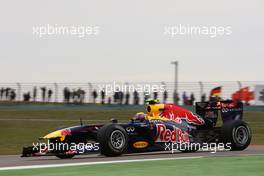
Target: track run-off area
[{"x": 11, "y": 162}]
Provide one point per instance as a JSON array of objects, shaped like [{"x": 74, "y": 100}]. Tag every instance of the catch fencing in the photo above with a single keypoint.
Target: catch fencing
[{"x": 58, "y": 90}]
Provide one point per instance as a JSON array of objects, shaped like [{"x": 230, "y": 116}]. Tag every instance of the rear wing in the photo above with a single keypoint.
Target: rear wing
[{"x": 230, "y": 110}]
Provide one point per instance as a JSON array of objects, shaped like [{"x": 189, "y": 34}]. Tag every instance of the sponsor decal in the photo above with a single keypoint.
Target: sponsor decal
[
  {"x": 130, "y": 129},
  {"x": 190, "y": 118},
  {"x": 166, "y": 135},
  {"x": 155, "y": 121},
  {"x": 66, "y": 132},
  {"x": 140, "y": 144},
  {"x": 224, "y": 110},
  {"x": 178, "y": 114}
]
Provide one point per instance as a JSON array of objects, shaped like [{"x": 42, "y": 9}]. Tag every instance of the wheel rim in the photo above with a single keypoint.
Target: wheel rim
[
  {"x": 241, "y": 135},
  {"x": 117, "y": 139}
]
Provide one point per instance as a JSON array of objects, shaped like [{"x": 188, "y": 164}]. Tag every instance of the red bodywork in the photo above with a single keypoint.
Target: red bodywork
[{"x": 177, "y": 113}]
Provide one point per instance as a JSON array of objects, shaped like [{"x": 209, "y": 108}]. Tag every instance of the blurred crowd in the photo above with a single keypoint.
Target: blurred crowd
[
  {"x": 126, "y": 98},
  {"x": 73, "y": 96},
  {"x": 117, "y": 95},
  {"x": 46, "y": 94},
  {"x": 79, "y": 96},
  {"x": 7, "y": 94}
]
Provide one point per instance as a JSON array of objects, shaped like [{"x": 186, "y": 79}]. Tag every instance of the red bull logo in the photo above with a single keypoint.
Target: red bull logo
[
  {"x": 166, "y": 135},
  {"x": 65, "y": 132},
  {"x": 177, "y": 114}
]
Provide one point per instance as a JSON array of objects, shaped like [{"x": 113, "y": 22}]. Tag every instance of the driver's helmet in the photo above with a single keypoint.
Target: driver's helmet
[{"x": 140, "y": 116}]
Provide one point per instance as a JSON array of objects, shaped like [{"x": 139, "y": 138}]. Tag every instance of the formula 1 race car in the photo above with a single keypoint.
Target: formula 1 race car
[{"x": 163, "y": 124}]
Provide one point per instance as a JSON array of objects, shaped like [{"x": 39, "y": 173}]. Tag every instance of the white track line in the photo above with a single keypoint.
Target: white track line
[{"x": 92, "y": 163}]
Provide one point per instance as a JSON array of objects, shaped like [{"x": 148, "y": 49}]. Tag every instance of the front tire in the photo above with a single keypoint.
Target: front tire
[
  {"x": 237, "y": 133},
  {"x": 113, "y": 140}
]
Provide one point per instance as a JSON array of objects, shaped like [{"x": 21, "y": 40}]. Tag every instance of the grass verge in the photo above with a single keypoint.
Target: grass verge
[{"x": 217, "y": 166}]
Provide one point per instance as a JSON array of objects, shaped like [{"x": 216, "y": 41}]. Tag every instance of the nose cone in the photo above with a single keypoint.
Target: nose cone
[{"x": 61, "y": 134}]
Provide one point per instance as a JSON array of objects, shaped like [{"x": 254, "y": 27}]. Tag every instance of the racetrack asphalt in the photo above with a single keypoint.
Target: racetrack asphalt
[{"x": 16, "y": 160}]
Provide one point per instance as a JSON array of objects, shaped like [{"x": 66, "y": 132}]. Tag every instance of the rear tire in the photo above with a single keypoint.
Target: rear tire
[
  {"x": 237, "y": 133},
  {"x": 113, "y": 140}
]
